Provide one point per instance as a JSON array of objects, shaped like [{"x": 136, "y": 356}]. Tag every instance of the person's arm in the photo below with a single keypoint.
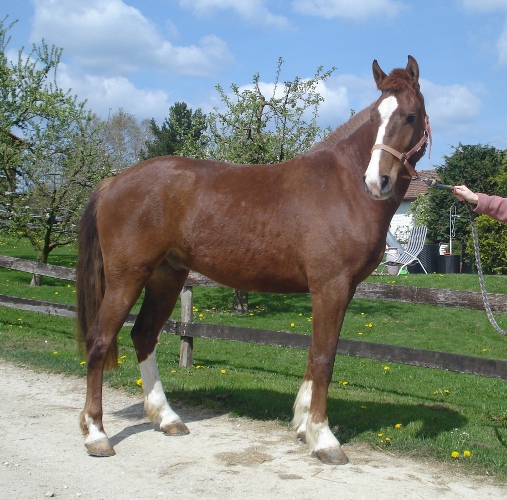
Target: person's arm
[{"x": 493, "y": 206}]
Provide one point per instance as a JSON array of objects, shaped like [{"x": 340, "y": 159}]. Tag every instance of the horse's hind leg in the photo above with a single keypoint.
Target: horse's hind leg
[
  {"x": 161, "y": 293},
  {"x": 112, "y": 313}
]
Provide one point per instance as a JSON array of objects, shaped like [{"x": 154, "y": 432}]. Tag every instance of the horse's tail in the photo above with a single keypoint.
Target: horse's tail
[{"x": 90, "y": 283}]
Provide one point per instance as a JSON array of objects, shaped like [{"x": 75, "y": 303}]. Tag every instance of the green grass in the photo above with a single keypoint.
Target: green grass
[{"x": 439, "y": 412}]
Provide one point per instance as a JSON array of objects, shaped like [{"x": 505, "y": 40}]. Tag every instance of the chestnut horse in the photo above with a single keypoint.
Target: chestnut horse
[{"x": 316, "y": 223}]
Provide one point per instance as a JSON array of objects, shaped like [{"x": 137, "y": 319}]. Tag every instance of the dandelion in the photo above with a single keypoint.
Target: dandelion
[
  {"x": 123, "y": 357},
  {"x": 55, "y": 352},
  {"x": 380, "y": 434},
  {"x": 300, "y": 314},
  {"x": 388, "y": 440},
  {"x": 398, "y": 426},
  {"x": 359, "y": 333},
  {"x": 369, "y": 325},
  {"x": 435, "y": 392},
  {"x": 362, "y": 314},
  {"x": 56, "y": 293},
  {"x": 139, "y": 382},
  {"x": 447, "y": 391},
  {"x": 251, "y": 314},
  {"x": 82, "y": 363},
  {"x": 467, "y": 453},
  {"x": 345, "y": 382},
  {"x": 173, "y": 371},
  {"x": 386, "y": 368},
  {"x": 201, "y": 315},
  {"x": 292, "y": 325},
  {"x": 223, "y": 371},
  {"x": 484, "y": 350},
  {"x": 455, "y": 454}
]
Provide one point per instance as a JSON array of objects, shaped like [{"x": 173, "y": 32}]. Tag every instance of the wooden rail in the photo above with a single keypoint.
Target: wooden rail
[{"x": 187, "y": 330}]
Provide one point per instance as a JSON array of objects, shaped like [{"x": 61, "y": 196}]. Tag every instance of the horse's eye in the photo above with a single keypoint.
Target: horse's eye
[{"x": 410, "y": 118}]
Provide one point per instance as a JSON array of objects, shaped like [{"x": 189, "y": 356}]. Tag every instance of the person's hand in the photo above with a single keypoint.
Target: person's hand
[{"x": 464, "y": 194}]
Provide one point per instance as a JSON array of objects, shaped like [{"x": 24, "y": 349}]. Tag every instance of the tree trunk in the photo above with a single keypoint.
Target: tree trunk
[
  {"x": 36, "y": 280},
  {"x": 240, "y": 301}
]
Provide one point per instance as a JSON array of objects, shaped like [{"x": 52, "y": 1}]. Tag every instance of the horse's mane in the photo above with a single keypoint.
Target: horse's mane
[{"x": 345, "y": 130}]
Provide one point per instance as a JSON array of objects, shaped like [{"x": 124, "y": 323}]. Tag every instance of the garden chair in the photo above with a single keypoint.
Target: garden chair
[{"x": 409, "y": 255}]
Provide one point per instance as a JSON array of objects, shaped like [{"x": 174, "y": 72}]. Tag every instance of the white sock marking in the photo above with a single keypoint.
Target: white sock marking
[{"x": 155, "y": 402}]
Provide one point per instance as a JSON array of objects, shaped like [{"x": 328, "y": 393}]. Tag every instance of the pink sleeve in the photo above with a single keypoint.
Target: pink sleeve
[{"x": 494, "y": 206}]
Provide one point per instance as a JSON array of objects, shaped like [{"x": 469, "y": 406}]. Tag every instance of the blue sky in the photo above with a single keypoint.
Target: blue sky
[{"x": 145, "y": 55}]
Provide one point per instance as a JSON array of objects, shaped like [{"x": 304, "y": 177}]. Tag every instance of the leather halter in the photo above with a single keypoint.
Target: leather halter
[{"x": 404, "y": 157}]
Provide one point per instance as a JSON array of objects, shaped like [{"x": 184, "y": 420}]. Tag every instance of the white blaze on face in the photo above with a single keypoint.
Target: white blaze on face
[{"x": 371, "y": 176}]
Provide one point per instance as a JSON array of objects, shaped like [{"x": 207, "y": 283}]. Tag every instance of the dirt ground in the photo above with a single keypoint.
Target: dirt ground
[{"x": 42, "y": 455}]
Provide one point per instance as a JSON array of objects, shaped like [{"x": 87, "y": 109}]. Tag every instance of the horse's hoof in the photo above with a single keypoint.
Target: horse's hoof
[
  {"x": 175, "y": 429},
  {"x": 100, "y": 448},
  {"x": 333, "y": 456}
]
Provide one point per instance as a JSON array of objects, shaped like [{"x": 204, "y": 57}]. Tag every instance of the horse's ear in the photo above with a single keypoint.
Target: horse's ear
[
  {"x": 378, "y": 74},
  {"x": 413, "y": 69}
]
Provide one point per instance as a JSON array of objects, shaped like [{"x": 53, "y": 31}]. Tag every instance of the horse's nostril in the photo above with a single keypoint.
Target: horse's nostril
[{"x": 385, "y": 182}]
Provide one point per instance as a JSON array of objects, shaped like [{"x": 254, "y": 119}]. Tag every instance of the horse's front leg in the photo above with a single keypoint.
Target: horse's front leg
[{"x": 310, "y": 408}]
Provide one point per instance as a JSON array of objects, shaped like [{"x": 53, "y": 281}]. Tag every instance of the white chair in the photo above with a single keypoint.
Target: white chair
[{"x": 410, "y": 254}]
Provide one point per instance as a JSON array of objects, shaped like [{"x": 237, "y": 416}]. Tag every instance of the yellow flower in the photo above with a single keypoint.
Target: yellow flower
[
  {"x": 292, "y": 325},
  {"x": 55, "y": 352},
  {"x": 223, "y": 371},
  {"x": 388, "y": 440},
  {"x": 398, "y": 426},
  {"x": 447, "y": 391},
  {"x": 386, "y": 368},
  {"x": 455, "y": 454},
  {"x": 82, "y": 363},
  {"x": 123, "y": 357},
  {"x": 359, "y": 333},
  {"x": 139, "y": 382},
  {"x": 467, "y": 453},
  {"x": 369, "y": 325},
  {"x": 380, "y": 434},
  {"x": 345, "y": 382},
  {"x": 173, "y": 371}
]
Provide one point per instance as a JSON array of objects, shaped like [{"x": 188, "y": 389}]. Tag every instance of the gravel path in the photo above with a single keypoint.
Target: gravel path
[{"x": 42, "y": 455}]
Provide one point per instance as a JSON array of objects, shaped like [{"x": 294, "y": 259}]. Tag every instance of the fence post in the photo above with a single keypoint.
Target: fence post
[{"x": 186, "y": 343}]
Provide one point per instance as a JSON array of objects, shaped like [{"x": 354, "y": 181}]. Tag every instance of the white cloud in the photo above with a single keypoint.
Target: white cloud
[
  {"x": 254, "y": 11},
  {"x": 484, "y": 5},
  {"x": 107, "y": 94},
  {"x": 111, "y": 37},
  {"x": 452, "y": 109},
  {"x": 349, "y": 9}
]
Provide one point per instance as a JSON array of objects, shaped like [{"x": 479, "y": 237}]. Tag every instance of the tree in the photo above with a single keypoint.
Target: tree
[
  {"x": 262, "y": 124},
  {"x": 49, "y": 170},
  {"x": 476, "y": 166},
  {"x": 482, "y": 169},
  {"x": 181, "y": 127},
  {"x": 124, "y": 139}
]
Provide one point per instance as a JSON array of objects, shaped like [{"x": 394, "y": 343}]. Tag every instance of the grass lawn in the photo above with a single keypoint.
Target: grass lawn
[{"x": 424, "y": 412}]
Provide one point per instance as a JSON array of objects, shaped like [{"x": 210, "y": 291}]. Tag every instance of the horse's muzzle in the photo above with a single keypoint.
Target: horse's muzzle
[{"x": 382, "y": 189}]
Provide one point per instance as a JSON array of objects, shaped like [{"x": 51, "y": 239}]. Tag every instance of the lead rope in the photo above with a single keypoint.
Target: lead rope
[
  {"x": 480, "y": 273},
  {"x": 435, "y": 184}
]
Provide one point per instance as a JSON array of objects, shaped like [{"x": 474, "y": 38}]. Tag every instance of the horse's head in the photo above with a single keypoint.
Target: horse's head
[{"x": 402, "y": 127}]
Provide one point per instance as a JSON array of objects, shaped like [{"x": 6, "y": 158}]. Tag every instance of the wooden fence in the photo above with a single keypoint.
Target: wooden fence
[{"x": 187, "y": 330}]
